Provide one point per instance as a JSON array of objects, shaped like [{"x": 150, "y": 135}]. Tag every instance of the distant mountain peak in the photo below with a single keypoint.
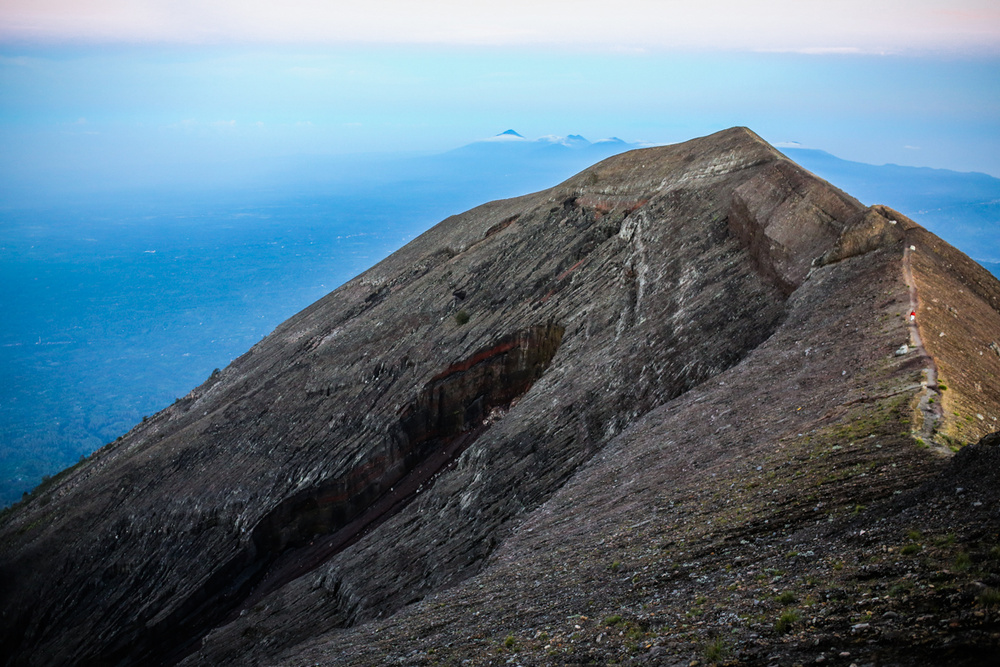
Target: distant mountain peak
[
  {"x": 567, "y": 141},
  {"x": 507, "y": 135},
  {"x": 571, "y": 141}
]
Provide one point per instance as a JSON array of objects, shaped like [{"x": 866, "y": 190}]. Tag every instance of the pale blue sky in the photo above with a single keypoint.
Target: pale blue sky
[
  {"x": 816, "y": 26},
  {"x": 152, "y": 92}
]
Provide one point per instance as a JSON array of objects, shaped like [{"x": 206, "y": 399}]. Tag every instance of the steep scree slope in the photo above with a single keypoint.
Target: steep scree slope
[{"x": 679, "y": 359}]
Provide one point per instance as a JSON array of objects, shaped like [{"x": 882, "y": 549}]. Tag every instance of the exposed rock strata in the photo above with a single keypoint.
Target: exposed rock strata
[{"x": 686, "y": 345}]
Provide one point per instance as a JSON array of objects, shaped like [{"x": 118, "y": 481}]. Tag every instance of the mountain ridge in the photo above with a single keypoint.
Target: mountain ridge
[
  {"x": 962, "y": 207},
  {"x": 664, "y": 323},
  {"x": 95, "y": 367}
]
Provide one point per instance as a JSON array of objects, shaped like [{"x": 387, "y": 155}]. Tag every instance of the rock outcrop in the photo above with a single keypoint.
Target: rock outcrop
[{"x": 624, "y": 401}]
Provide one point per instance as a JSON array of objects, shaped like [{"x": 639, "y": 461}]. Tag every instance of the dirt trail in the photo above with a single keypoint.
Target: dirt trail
[{"x": 930, "y": 409}]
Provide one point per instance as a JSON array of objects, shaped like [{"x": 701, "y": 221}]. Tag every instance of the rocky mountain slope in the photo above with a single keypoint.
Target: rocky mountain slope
[{"x": 672, "y": 409}]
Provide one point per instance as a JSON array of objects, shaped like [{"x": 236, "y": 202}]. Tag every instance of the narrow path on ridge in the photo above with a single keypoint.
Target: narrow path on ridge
[{"x": 930, "y": 409}]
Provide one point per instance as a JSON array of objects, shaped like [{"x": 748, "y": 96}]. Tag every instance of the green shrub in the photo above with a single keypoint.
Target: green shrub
[
  {"x": 785, "y": 622},
  {"x": 462, "y": 317},
  {"x": 962, "y": 562},
  {"x": 716, "y": 650},
  {"x": 945, "y": 540},
  {"x": 900, "y": 589},
  {"x": 786, "y": 597},
  {"x": 990, "y": 598}
]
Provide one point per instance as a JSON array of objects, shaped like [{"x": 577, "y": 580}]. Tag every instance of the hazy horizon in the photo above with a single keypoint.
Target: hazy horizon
[
  {"x": 129, "y": 111},
  {"x": 156, "y": 93}
]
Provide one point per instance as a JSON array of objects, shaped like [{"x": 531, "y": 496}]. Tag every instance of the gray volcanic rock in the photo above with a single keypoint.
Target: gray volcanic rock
[{"x": 458, "y": 439}]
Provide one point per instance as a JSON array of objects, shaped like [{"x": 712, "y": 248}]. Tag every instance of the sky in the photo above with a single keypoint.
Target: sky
[
  {"x": 104, "y": 94},
  {"x": 874, "y": 26}
]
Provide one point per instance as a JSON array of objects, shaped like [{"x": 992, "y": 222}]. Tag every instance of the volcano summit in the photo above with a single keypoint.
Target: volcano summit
[{"x": 671, "y": 409}]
